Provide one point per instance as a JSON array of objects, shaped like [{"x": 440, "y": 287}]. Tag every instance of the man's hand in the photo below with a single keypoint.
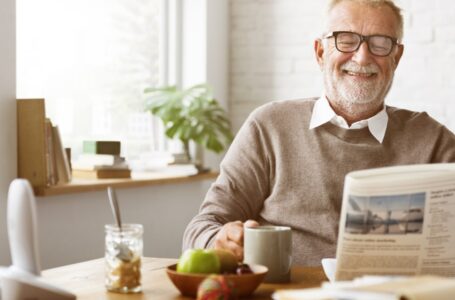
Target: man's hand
[{"x": 230, "y": 237}]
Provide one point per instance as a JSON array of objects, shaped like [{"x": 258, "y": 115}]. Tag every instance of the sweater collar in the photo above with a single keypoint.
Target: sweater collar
[{"x": 323, "y": 113}]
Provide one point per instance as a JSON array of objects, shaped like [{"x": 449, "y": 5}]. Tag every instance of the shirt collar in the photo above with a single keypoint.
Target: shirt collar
[{"x": 323, "y": 113}]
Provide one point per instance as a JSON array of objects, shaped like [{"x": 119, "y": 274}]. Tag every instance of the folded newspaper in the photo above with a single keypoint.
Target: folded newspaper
[
  {"x": 377, "y": 288},
  {"x": 398, "y": 221}
]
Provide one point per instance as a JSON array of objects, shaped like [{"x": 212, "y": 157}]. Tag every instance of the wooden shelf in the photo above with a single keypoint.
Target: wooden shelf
[{"x": 90, "y": 185}]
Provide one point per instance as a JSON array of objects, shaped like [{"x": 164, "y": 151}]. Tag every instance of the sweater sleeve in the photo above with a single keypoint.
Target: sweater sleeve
[
  {"x": 444, "y": 150},
  {"x": 239, "y": 191}
]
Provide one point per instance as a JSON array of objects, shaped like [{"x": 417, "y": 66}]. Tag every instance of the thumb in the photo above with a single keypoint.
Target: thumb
[{"x": 251, "y": 223}]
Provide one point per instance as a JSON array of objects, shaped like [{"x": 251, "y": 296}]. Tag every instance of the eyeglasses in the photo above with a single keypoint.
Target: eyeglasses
[{"x": 348, "y": 42}]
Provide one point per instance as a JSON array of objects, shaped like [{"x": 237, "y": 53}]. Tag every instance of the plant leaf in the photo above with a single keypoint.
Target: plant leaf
[{"x": 190, "y": 114}]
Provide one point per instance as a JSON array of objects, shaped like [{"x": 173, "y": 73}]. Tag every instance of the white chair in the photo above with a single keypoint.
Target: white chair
[{"x": 22, "y": 279}]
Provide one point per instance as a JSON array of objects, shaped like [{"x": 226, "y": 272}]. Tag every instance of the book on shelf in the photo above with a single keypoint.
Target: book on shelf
[
  {"x": 170, "y": 170},
  {"x": 61, "y": 160},
  {"x": 68, "y": 156},
  {"x": 31, "y": 142},
  {"x": 85, "y": 161},
  {"x": 102, "y": 173},
  {"x": 51, "y": 167},
  {"x": 101, "y": 147}
]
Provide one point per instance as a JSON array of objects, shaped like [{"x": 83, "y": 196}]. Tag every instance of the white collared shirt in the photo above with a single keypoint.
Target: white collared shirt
[{"x": 323, "y": 113}]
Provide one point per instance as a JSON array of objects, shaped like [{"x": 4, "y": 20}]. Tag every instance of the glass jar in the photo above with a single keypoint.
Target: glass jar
[{"x": 123, "y": 252}]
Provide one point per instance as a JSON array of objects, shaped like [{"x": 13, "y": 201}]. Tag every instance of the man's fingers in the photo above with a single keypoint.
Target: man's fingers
[
  {"x": 235, "y": 232},
  {"x": 232, "y": 231},
  {"x": 251, "y": 223},
  {"x": 224, "y": 243},
  {"x": 235, "y": 248},
  {"x": 230, "y": 237}
]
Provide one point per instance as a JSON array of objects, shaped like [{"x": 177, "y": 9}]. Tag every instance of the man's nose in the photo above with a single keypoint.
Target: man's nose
[{"x": 362, "y": 56}]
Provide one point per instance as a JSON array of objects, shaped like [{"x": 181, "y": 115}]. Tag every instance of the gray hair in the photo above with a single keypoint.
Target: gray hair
[{"x": 376, "y": 3}]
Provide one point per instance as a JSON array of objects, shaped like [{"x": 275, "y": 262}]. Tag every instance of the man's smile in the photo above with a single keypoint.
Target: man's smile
[{"x": 359, "y": 74}]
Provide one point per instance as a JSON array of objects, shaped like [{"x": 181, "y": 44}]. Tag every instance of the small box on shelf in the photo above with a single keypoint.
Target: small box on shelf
[{"x": 101, "y": 147}]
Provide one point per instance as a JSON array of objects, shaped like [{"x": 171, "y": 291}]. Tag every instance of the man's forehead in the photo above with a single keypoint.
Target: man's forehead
[{"x": 362, "y": 18}]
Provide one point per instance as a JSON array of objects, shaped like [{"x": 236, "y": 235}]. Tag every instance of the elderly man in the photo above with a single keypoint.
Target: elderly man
[{"x": 288, "y": 162}]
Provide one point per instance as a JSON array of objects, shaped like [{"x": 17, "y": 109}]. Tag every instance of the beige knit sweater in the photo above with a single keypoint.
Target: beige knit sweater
[{"x": 278, "y": 171}]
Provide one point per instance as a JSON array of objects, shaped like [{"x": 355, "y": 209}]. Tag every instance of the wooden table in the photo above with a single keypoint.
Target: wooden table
[{"x": 86, "y": 280}]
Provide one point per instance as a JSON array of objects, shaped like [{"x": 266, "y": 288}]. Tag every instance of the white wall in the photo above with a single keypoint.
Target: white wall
[
  {"x": 71, "y": 227},
  {"x": 272, "y": 55},
  {"x": 8, "y": 159}
]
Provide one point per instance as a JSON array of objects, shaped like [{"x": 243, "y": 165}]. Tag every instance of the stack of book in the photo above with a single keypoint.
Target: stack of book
[
  {"x": 57, "y": 162},
  {"x": 41, "y": 158},
  {"x": 101, "y": 159}
]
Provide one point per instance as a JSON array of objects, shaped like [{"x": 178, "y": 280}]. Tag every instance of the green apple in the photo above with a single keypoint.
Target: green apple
[{"x": 199, "y": 261}]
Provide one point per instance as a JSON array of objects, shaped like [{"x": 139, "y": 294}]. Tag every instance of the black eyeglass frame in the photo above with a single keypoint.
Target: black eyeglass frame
[{"x": 363, "y": 38}]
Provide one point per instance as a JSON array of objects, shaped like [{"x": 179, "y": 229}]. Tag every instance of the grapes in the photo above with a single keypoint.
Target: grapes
[{"x": 243, "y": 269}]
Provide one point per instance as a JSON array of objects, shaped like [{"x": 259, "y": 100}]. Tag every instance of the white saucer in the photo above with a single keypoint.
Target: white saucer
[{"x": 330, "y": 266}]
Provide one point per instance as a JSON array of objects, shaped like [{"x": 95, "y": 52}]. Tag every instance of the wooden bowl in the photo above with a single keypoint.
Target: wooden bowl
[{"x": 245, "y": 284}]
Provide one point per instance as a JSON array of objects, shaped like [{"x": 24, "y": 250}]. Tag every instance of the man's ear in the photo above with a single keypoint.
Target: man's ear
[
  {"x": 319, "y": 52},
  {"x": 398, "y": 54}
]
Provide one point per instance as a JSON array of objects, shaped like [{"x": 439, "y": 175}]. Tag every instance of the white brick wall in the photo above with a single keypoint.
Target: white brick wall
[{"x": 272, "y": 58}]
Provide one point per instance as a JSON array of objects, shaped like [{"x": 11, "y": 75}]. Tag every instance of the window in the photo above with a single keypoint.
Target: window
[{"x": 91, "y": 60}]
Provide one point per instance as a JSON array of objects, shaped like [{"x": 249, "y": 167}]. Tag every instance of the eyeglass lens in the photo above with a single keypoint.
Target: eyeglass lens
[{"x": 350, "y": 42}]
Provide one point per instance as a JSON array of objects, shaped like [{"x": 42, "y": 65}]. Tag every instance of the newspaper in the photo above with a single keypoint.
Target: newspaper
[
  {"x": 398, "y": 221},
  {"x": 377, "y": 288}
]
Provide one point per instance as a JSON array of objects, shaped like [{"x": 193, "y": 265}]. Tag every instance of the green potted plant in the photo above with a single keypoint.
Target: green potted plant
[{"x": 191, "y": 114}]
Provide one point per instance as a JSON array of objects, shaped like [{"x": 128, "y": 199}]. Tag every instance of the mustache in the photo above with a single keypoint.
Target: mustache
[{"x": 352, "y": 66}]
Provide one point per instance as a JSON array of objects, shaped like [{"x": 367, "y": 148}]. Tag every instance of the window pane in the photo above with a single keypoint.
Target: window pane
[{"x": 91, "y": 60}]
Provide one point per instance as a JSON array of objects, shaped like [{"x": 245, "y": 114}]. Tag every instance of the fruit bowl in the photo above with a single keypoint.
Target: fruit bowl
[{"x": 245, "y": 284}]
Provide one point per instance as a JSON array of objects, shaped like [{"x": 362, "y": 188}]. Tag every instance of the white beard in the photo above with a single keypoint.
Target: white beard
[{"x": 352, "y": 95}]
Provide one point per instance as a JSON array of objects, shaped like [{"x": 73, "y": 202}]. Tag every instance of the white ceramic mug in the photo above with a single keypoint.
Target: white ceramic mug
[{"x": 270, "y": 246}]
